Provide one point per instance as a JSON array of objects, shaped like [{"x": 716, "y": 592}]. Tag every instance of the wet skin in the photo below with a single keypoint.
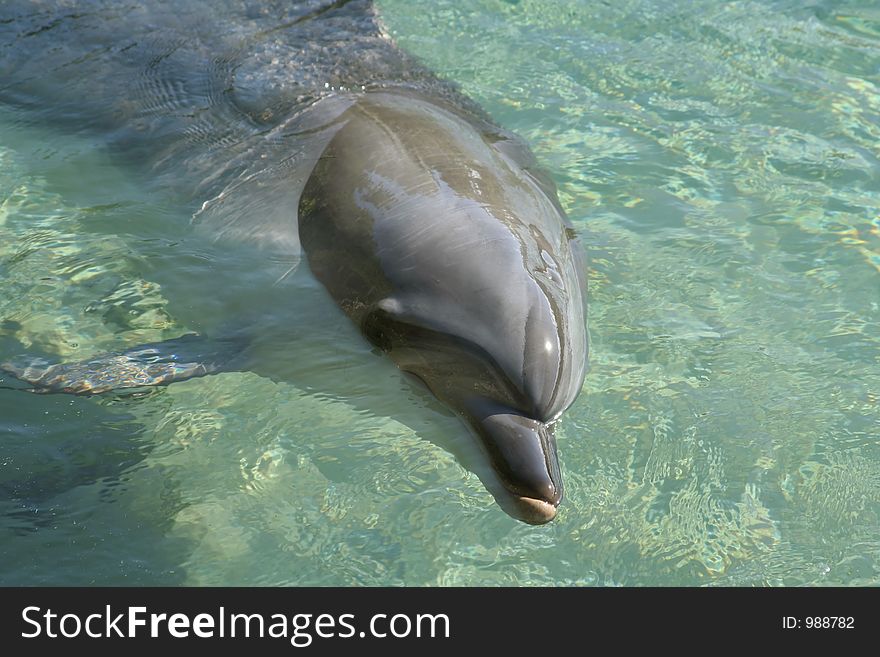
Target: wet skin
[
  {"x": 301, "y": 129},
  {"x": 443, "y": 243}
]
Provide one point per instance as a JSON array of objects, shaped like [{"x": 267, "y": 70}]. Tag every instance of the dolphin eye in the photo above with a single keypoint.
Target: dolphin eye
[
  {"x": 386, "y": 322},
  {"x": 435, "y": 356},
  {"x": 377, "y": 327}
]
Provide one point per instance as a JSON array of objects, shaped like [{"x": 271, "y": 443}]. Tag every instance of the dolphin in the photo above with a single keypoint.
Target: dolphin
[{"x": 432, "y": 228}]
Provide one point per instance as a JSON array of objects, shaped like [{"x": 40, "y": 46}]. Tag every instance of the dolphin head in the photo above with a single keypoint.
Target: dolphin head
[
  {"x": 439, "y": 237},
  {"x": 508, "y": 375}
]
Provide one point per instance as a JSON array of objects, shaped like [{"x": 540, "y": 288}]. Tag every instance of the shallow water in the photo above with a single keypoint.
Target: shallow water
[{"x": 720, "y": 162}]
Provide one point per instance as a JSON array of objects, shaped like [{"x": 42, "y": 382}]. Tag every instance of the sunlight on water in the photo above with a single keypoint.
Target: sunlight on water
[{"x": 720, "y": 162}]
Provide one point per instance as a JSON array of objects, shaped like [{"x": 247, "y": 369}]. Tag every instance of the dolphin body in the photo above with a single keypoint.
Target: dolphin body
[{"x": 303, "y": 130}]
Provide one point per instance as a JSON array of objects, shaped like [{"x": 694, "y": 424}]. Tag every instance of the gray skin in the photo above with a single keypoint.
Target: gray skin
[
  {"x": 438, "y": 240},
  {"x": 431, "y": 227}
]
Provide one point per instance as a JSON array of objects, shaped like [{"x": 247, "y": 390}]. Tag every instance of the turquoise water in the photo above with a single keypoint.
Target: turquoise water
[{"x": 720, "y": 162}]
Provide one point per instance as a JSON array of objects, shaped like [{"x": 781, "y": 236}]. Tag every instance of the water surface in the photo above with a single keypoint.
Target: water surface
[{"x": 720, "y": 162}]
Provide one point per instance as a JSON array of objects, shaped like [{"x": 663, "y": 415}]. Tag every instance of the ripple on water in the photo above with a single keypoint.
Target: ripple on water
[{"x": 720, "y": 164}]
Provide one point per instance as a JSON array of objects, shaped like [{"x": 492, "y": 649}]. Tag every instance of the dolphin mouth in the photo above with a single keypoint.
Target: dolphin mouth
[
  {"x": 522, "y": 454},
  {"x": 534, "y": 511}
]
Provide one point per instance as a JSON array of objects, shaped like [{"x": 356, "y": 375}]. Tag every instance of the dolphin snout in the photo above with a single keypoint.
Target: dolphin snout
[
  {"x": 523, "y": 455},
  {"x": 532, "y": 511}
]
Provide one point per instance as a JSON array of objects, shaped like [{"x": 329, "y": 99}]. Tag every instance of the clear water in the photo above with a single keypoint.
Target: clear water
[{"x": 720, "y": 161}]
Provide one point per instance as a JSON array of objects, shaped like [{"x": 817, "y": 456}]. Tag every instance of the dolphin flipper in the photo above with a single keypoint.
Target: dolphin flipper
[{"x": 153, "y": 364}]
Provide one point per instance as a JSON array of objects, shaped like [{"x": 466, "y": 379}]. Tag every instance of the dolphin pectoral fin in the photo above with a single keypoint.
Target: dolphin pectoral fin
[{"x": 153, "y": 364}]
